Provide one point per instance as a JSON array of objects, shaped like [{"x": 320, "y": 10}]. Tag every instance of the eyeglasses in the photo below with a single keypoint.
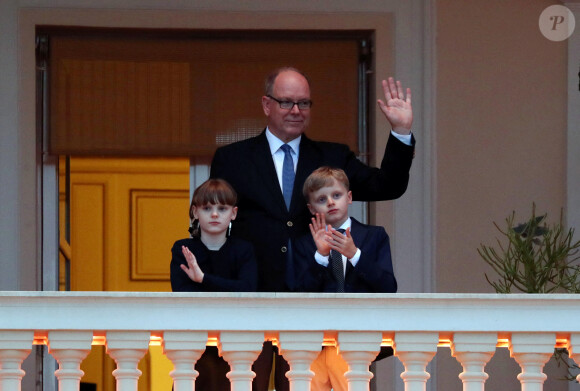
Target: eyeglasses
[{"x": 289, "y": 105}]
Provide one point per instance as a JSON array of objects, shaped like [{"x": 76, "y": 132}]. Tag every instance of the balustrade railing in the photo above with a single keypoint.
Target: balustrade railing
[{"x": 472, "y": 325}]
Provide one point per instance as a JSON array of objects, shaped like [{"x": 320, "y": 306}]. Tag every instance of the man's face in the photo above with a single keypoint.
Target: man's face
[
  {"x": 331, "y": 201},
  {"x": 287, "y": 124}
]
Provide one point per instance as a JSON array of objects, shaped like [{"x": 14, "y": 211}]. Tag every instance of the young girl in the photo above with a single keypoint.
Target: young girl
[{"x": 212, "y": 261}]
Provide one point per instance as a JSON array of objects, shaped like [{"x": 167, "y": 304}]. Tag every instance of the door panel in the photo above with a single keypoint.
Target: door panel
[{"x": 125, "y": 215}]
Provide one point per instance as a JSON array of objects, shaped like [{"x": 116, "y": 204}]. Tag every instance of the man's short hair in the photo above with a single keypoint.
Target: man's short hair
[
  {"x": 271, "y": 78},
  {"x": 321, "y": 177}
]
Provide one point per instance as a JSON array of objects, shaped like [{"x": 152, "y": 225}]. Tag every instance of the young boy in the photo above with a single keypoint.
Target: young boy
[{"x": 358, "y": 260}]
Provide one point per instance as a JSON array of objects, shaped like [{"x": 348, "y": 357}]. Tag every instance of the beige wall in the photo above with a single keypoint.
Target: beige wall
[
  {"x": 500, "y": 130},
  {"x": 500, "y": 145}
]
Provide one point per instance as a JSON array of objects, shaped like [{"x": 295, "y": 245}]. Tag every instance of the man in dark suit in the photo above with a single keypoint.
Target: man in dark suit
[{"x": 254, "y": 168}]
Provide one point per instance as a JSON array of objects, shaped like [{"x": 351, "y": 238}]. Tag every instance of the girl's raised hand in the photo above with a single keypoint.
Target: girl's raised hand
[{"x": 192, "y": 269}]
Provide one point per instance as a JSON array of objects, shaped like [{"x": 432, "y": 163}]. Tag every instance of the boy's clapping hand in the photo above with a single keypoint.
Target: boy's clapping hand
[
  {"x": 342, "y": 243},
  {"x": 320, "y": 234}
]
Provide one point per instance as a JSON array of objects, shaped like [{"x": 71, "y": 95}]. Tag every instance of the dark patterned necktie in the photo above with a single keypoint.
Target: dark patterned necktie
[
  {"x": 337, "y": 267},
  {"x": 287, "y": 174}
]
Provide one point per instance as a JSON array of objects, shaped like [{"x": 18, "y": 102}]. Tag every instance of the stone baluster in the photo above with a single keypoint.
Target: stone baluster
[
  {"x": 300, "y": 349},
  {"x": 184, "y": 348},
  {"x": 415, "y": 350},
  {"x": 473, "y": 351},
  {"x": 574, "y": 350},
  {"x": 359, "y": 349},
  {"x": 69, "y": 348},
  {"x": 127, "y": 348},
  {"x": 14, "y": 348},
  {"x": 240, "y": 349},
  {"x": 532, "y": 351}
]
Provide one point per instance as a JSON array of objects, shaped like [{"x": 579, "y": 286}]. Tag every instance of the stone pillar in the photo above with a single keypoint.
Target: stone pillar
[
  {"x": 415, "y": 350},
  {"x": 240, "y": 349},
  {"x": 14, "y": 348},
  {"x": 184, "y": 348},
  {"x": 532, "y": 351},
  {"x": 300, "y": 348},
  {"x": 69, "y": 348},
  {"x": 127, "y": 348},
  {"x": 574, "y": 350},
  {"x": 359, "y": 349},
  {"x": 473, "y": 351}
]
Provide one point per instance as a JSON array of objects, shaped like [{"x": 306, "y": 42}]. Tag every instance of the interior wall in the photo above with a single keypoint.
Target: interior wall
[{"x": 501, "y": 129}]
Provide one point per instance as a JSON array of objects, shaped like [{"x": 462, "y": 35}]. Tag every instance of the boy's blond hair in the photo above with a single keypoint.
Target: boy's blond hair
[{"x": 322, "y": 177}]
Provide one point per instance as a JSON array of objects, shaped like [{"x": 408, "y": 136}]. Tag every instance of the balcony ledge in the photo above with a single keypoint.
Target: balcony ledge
[{"x": 558, "y": 313}]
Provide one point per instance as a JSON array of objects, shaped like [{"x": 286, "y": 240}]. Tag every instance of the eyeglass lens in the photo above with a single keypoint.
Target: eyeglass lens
[{"x": 289, "y": 105}]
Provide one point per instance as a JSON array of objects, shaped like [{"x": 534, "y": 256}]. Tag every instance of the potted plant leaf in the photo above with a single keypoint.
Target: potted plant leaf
[{"x": 535, "y": 258}]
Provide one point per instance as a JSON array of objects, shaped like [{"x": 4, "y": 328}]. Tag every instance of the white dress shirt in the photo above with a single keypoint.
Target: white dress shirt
[{"x": 278, "y": 154}]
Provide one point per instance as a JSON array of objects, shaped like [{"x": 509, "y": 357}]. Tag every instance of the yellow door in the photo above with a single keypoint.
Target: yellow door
[{"x": 125, "y": 215}]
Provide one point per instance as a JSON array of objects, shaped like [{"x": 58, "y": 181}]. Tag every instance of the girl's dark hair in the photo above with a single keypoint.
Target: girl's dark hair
[{"x": 214, "y": 192}]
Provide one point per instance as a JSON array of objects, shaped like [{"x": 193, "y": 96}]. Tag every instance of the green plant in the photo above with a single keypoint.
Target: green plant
[{"x": 536, "y": 259}]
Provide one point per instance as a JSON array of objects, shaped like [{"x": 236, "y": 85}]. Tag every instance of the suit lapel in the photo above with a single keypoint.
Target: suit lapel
[
  {"x": 359, "y": 233},
  {"x": 308, "y": 161}
]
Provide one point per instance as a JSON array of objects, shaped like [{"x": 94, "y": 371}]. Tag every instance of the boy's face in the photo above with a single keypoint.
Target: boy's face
[{"x": 333, "y": 202}]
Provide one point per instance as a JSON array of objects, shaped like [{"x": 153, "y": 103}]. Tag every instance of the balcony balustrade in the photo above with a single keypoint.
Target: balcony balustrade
[{"x": 472, "y": 325}]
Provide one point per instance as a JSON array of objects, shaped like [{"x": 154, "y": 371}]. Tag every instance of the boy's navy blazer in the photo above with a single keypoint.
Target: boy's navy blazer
[
  {"x": 373, "y": 272},
  {"x": 262, "y": 215}
]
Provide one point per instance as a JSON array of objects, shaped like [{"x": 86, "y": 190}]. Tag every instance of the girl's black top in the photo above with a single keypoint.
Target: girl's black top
[{"x": 232, "y": 268}]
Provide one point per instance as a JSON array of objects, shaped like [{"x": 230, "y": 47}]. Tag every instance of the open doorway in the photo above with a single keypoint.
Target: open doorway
[
  {"x": 134, "y": 117},
  {"x": 112, "y": 95}
]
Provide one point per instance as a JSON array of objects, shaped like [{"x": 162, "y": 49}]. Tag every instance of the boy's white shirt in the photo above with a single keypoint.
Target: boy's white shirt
[{"x": 323, "y": 260}]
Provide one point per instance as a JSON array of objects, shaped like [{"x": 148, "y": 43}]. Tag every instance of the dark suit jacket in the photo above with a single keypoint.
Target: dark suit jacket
[
  {"x": 373, "y": 272},
  {"x": 262, "y": 215},
  {"x": 232, "y": 268}
]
